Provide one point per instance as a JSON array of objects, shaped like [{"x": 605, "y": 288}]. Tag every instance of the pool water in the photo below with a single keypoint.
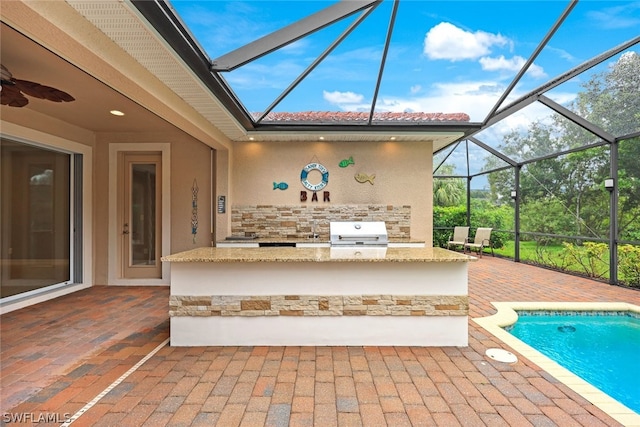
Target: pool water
[{"x": 602, "y": 349}]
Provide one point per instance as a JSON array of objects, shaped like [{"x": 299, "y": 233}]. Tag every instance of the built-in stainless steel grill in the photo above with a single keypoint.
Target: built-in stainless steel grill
[
  {"x": 353, "y": 239},
  {"x": 358, "y": 233}
]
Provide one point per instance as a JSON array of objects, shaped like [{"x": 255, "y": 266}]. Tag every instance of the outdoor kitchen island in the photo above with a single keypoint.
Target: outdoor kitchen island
[{"x": 317, "y": 296}]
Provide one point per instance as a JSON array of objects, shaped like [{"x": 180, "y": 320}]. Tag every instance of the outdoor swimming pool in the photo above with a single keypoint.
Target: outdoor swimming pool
[{"x": 601, "y": 347}]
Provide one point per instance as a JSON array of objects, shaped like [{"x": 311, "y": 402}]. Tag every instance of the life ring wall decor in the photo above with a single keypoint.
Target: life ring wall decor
[{"x": 304, "y": 176}]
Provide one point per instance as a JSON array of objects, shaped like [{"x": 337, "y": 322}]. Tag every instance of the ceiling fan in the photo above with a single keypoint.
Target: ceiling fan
[{"x": 13, "y": 91}]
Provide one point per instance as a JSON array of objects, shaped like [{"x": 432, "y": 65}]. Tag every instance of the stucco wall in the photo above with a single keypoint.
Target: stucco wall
[
  {"x": 189, "y": 160},
  {"x": 403, "y": 176}
]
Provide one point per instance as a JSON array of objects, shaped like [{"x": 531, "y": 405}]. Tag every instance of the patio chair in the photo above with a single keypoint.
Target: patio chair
[
  {"x": 481, "y": 240},
  {"x": 459, "y": 238}
]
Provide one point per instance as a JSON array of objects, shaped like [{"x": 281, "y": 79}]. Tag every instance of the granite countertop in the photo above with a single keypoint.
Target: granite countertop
[{"x": 340, "y": 254}]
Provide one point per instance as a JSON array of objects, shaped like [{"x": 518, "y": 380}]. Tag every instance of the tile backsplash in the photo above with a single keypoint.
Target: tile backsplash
[{"x": 295, "y": 221}]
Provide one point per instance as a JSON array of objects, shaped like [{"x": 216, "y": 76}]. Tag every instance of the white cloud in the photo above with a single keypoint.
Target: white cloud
[
  {"x": 536, "y": 71},
  {"x": 562, "y": 98},
  {"x": 298, "y": 47},
  {"x": 473, "y": 98},
  {"x": 501, "y": 63},
  {"x": 258, "y": 75},
  {"x": 563, "y": 54},
  {"x": 514, "y": 65},
  {"x": 446, "y": 41},
  {"x": 351, "y": 56},
  {"x": 342, "y": 98},
  {"x": 617, "y": 16},
  {"x": 521, "y": 120},
  {"x": 415, "y": 89}
]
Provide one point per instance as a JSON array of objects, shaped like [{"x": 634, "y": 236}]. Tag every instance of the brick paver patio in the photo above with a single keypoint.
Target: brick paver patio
[{"x": 59, "y": 355}]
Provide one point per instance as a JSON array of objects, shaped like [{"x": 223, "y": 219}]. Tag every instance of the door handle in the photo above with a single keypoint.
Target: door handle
[{"x": 125, "y": 229}]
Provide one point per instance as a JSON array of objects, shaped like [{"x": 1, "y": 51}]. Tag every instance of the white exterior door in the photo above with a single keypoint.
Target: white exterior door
[{"x": 140, "y": 215}]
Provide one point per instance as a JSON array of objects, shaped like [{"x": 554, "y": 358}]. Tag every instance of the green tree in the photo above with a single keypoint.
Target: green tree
[
  {"x": 611, "y": 100},
  {"x": 629, "y": 190},
  {"x": 448, "y": 191},
  {"x": 445, "y": 218},
  {"x": 571, "y": 185},
  {"x": 538, "y": 141}
]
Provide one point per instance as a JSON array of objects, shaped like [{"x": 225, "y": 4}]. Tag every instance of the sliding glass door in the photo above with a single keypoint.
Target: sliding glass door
[{"x": 35, "y": 218}]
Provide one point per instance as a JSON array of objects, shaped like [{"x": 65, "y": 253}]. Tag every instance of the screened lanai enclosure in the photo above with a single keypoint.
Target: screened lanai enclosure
[
  {"x": 561, "y": 190},
  {"x": 532, "y": 108}
]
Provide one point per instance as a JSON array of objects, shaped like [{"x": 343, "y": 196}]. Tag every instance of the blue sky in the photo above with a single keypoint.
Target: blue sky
[{"x": 445, "y": 56}]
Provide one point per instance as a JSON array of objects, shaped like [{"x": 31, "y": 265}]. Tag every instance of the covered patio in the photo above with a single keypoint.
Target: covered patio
[{"x": 101, "y": 357}]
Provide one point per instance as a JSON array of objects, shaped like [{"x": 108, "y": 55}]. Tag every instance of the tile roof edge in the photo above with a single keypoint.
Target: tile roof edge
[{"x": 348, "y": 116}]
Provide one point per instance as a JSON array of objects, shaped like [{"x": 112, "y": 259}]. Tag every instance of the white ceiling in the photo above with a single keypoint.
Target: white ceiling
[{"x": 27, "y": 60}]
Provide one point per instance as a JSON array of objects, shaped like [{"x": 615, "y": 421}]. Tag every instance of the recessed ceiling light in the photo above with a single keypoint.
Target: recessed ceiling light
[
  {"x": 321, "y": 138},
  {"x": 117, "y": 113},
  {"x": 251, "y": 138},
  {"x": 393, "y": 138}
]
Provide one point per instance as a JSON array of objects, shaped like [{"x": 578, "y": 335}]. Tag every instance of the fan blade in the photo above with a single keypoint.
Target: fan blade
[
  {"x": 43, "y": 92},
  {"x": 12, "y": 97},
  {"x": 5, "y": 74}
]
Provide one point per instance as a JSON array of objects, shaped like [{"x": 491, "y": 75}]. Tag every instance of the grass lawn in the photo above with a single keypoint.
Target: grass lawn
[
  {"x": 552, "y": 256},
  {"x": 575, "y": 260},
  {"x": 527, "y": 250}
]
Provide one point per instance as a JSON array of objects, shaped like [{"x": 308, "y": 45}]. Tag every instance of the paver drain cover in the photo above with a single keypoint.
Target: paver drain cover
[{"x": 501, "y": 355}]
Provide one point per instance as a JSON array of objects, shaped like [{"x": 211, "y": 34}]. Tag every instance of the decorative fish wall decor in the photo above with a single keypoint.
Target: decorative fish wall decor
[
  {"x": 280, "y": 186},
  {"x": 346, "y": 162},
  {"x": 363, "y": 177}
]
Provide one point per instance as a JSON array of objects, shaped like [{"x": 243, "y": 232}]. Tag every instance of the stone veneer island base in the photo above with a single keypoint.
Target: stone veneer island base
[{"x": 319, "y": 296}]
